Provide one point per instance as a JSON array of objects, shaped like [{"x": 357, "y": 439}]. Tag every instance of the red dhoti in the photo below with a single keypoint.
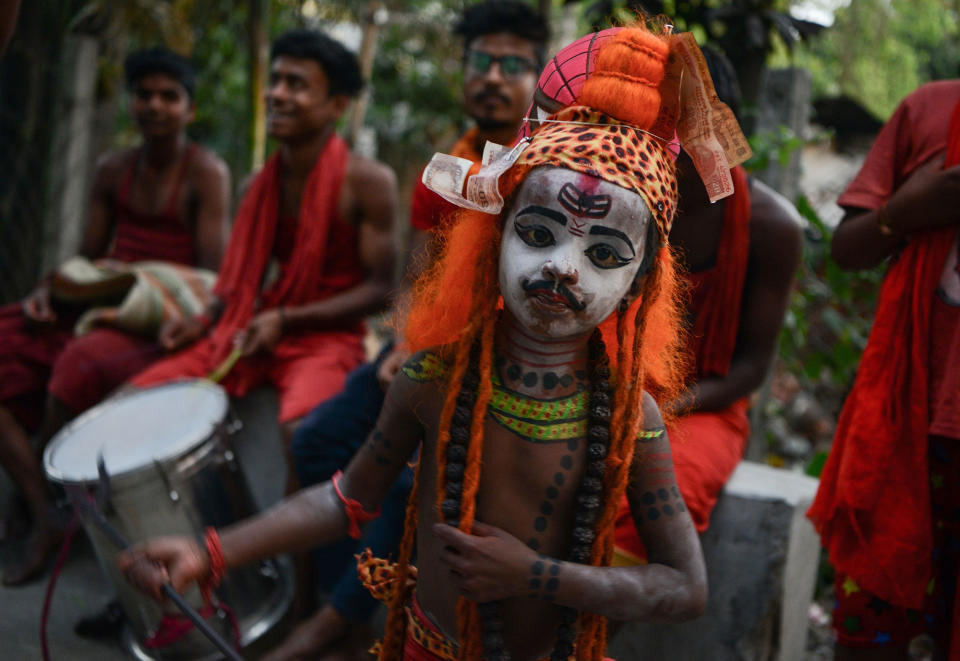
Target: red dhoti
[
  {"x": 78, "y": 371},
  {"x": 305, "y": 369}
]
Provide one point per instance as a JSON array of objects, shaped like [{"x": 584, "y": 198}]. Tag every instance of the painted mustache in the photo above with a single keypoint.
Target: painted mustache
[{"x": 554, "y": 288}]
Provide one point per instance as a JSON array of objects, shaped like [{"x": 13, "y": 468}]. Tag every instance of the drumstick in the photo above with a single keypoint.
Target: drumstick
[
  {"x": 121, "y": 543},
  {"x": 224, "y": 368}
]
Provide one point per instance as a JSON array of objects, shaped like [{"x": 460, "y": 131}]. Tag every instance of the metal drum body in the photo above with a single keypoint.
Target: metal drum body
[{"x": 171, "y": 471}]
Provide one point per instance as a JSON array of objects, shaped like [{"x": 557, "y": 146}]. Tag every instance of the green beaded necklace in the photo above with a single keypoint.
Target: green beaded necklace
[{"x": 534, "y": 420}]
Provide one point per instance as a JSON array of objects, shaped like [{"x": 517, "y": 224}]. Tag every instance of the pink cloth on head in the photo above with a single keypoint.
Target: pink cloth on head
[{"x": 564, "y": 75}]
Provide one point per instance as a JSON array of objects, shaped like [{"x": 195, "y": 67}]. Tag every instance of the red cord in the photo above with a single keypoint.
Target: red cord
[
  {"x": 356, "y": 515},
  {"x": 52, "y": 583},
  {"x": 218, "y": 566}
]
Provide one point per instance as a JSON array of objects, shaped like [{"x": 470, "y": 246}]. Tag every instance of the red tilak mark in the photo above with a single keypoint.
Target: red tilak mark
[
  {"x": 576, "y": 227},
  {"x": 586, "y": 183}
]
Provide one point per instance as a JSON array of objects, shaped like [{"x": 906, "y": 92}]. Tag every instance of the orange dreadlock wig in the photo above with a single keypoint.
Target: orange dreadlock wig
[{"x": 457, "y": 301}]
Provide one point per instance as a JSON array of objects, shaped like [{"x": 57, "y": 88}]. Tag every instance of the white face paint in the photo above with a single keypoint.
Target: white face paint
[{"x": 572, "y": 245}]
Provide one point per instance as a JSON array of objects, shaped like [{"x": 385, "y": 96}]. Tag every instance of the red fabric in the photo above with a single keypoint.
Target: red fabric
[
  {"x": 862, "y": 619},
  {"x": 427, "y": 209},
  {"x": 716, "y": 293},
  {"x": 945, "y": 369},
  {"x": 305, "y": 369},
  {"x": 916, "y": 133},
  {"x": 706, "y": 447},
  {"x": 251, "y": 241},
  {"x": 91, "y": 366},
  {"x": 872, "y": 509},
  {"x": 78, "y": 371},
  {"x": 27, "y": 356},
  {"x": 163, "y": 236}
]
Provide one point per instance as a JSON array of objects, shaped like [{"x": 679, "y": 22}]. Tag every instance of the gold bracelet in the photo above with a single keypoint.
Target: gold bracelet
[{"x": 883, "y": 222}]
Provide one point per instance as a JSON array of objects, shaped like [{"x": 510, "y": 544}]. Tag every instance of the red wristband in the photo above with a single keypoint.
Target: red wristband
[
  {"x": 217, "y": 565},
  {"x": 356, "y": 515}
]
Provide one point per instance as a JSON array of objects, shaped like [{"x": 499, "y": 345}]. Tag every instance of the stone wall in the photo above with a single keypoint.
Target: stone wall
[{"x": 761, "y": 555}]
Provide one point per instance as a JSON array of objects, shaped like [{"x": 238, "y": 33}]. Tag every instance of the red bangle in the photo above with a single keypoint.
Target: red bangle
[
  {"x": 217, "y": 565},
  {"x": 356, "y": 515}
]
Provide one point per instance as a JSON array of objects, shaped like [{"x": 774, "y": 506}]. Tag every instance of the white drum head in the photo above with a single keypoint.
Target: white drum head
[{"x": 131, "y": 432}]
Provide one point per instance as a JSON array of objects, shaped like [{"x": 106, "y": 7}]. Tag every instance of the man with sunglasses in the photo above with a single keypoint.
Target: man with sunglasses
[{"x": 504, "y": 49}]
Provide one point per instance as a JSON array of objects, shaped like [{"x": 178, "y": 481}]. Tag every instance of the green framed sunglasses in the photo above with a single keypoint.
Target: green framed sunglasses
[{"x": 479, "y": 62}]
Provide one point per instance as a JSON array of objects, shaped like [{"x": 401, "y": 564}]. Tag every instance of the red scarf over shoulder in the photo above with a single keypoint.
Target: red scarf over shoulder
[
  {"x": 716, "y": 310},
  {"x": 252, "y": 238},
  {"x": 873, "y": 506}
]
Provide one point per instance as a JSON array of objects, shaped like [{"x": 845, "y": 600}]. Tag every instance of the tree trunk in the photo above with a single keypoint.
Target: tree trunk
[
  {"x": 373, "y": 14},
  {"x": 259, "y": 52}
]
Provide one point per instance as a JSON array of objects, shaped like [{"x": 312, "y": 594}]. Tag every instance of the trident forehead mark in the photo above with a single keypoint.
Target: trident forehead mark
[{"x": 582, "y": 204}]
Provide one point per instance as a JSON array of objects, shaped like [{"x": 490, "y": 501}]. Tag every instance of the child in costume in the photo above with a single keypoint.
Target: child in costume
[{"x": 545, "y": 334}]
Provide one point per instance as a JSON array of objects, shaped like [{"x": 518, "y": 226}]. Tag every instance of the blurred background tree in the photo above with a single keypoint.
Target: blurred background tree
[{"x": 878, "y": 51}]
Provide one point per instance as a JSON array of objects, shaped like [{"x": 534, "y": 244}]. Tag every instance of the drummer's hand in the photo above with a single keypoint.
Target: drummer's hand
[
  {"x": 178, "y": 333},
  {"x": 262, "y": 334},
  {"x": 178, "y": 561},
  {"x": 37, "y": 306},
  {"x": 390, "y": 365}
]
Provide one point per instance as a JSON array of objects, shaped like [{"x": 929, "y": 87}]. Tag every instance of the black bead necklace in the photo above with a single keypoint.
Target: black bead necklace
[{"x": 589, "y": 496}]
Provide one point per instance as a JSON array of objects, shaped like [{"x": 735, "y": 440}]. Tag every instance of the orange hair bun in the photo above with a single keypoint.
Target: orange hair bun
[{"x": 628, "y": 72}]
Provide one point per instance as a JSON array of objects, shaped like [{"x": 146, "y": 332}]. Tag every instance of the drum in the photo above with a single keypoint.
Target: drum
[{"x": 169, "y": 470}]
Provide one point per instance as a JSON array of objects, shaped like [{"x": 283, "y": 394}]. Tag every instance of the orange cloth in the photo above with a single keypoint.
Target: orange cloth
[
  {"x": 872, "y": 509},
  {"x": 306, "y": 367},
  {"x": 708, "y": 445}
]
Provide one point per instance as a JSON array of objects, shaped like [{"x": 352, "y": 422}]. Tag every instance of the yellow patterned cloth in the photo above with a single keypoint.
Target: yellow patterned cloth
[{"x": 379, "y": 577}]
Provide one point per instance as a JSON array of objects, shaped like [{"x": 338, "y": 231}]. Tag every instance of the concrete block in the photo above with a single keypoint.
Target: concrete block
[{"x": 761, "y": 555}]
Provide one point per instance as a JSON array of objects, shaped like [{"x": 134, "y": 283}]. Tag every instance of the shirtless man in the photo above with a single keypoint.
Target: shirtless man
[
  {"x": 528, "y": 394},
  {"x": 318, "y": 216},
  {"x": 166, "y": 199}
]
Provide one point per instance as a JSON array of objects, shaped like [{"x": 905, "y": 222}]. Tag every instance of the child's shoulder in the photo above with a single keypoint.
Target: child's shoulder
[{"x": 424, "y": 366}]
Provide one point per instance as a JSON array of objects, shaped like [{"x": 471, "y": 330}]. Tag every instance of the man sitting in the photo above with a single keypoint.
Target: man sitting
[{"x": 166, "y": 199}]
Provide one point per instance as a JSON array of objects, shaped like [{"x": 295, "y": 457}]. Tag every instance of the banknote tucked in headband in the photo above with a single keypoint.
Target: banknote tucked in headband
[{"x": 629, "y": 151}]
